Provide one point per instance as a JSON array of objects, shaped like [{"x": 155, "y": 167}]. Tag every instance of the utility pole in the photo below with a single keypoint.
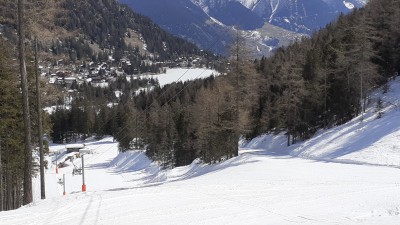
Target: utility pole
[
  {"x": 40, "y": 126},
  {"x": 28, "y": 196}
]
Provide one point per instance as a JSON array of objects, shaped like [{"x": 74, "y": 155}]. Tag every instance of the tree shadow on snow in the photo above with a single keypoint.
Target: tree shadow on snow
[{"x": 369, "y": 134}]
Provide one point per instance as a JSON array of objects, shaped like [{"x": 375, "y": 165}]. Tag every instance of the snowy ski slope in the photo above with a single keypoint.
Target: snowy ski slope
[{"x": 351, "y": 176}]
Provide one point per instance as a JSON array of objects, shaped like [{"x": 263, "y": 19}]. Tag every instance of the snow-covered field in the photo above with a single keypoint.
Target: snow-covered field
[
  {"x": 351, "y": 176},
  {"x": 182, "y": 74}
]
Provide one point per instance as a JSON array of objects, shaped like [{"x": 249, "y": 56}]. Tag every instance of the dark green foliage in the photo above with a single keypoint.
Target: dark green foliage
[
  {"x": 11, "y": 132},
  {"x": 324, "y": 80},
  {"x": 88, "y": 114}
]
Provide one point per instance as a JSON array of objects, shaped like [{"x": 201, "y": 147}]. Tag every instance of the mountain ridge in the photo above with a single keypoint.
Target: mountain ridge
[
  {"x": 210, "y": 22},
  {"x": 105, "y": 26}
]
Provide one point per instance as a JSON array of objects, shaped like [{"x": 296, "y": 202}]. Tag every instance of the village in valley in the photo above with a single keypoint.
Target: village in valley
[{"x": 69, "y": 75}]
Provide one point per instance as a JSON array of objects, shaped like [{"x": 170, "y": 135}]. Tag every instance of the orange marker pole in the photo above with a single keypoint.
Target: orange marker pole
[{"x": 83, "y": 174}]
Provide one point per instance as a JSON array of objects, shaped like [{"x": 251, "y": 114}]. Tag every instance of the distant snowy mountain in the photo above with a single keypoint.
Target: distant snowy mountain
[
  {"x": 302, "y": 16},
  {"x": 231, "y": 13},
  {"x": 208, "y": 23},
  {"x": 185, "y": 19},
  {"x": 297, "y": 15}
]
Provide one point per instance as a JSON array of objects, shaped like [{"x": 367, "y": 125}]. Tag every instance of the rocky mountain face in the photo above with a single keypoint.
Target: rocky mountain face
[
  {"x": 208, "y": 23},
  {"x": 304, "y": 16},
  {"x": 301, "y": 16},
  {"x": 185, "y": 19}
]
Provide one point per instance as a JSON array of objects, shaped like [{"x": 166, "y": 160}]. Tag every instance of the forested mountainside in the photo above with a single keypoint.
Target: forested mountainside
[
  {"x": 325, "y": 80},
  {"x": 315, "y": 83},
  {"x": 94, "y": 29},
  {"x": 107, "y": 23}
]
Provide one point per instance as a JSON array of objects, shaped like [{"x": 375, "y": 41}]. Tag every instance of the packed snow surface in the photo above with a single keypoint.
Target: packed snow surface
[{"x": 351, "y": 176}]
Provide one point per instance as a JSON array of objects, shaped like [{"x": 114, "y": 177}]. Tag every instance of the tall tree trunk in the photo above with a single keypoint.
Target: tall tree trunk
[
  {"x": 325, "y": 100},
  {"x": 40, "y": 127},
  {"x": 5, "y": 182},
  {"x": 28, "y": 198},
  {"x": 18, "y": 194},
  {"x": 14, "y": 193},
  {"x": 236, "y": 151},
  {"x": 1, "y": 182},
  {"x": 9, "y": 187}
]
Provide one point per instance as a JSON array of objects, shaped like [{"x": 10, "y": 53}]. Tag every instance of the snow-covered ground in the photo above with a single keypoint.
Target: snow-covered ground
[
  {"x": 182, "y": 74},
  {"x": 366, "y": 139},
  {"x": 351, "y": 176}
]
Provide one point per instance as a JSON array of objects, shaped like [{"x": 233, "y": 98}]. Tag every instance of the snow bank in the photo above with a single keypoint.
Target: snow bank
[
  {"x": 130, "y": 161},
  {"x": 267, "y": 141}
]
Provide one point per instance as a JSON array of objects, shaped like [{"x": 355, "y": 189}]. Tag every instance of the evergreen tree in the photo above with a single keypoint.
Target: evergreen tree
[{"x": 11, "y": 133}]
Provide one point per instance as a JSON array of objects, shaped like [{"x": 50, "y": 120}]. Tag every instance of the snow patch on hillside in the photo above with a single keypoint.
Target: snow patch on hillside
[
  {"x": 348, "y": 5},
  {"x": 249, "y": 3},
  {"x": 182, "y": 75},
  {"x": 366, "y": 139},
  {"x": 217, "y": 21}
]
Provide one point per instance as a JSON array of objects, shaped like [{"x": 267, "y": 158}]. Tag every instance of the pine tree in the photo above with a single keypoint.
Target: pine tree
[{"x": 11, "y": 133}]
